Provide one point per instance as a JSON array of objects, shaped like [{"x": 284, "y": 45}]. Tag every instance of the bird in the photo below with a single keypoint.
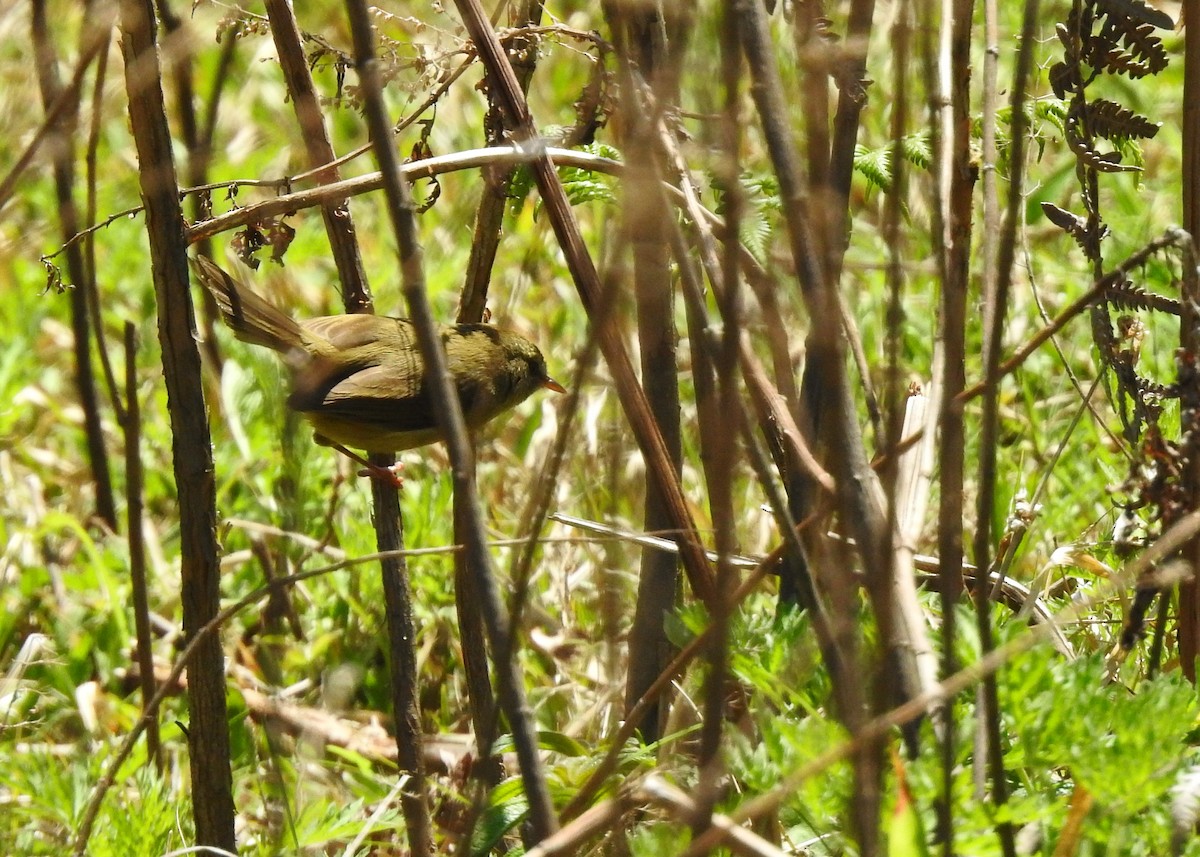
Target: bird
[{"x": 360, "y": 380}]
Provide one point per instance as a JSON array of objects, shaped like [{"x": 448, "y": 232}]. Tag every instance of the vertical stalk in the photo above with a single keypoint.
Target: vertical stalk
[
  {"x": 339, "y": 225},
  {"x": 1189, "y": 591},
  {"x": 954, "y": 193},
  {"x": 721, "y": 456},
  {"x": 65, "y": 130},
  {"x": 648, "y": 45},
  {"x": 588, "y": 285},
  {"x": 402, "y": 661},
  {"x": 208, "y": 735},
  {"x": 826, "y": 390},
  {"x": 450, "y": 419},
  {"x": 998, "y": 282},
  {"x": 134, "y": 485},
  {"x": 485, "y": 243}
]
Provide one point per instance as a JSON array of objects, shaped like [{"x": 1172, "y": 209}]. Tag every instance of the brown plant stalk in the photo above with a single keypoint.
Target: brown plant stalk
[{"x": 450, "y": 420}]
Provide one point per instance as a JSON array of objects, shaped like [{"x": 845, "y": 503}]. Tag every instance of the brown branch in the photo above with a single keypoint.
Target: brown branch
[
  {"x": 771, "y": 403},
  {"x": 389, "y": 524},
  {"x": 589, "y": 823},
  {"x": 89, "y": 247},
  {"x": 450, "y": 420},
  {"x": 503, "y": 81},
  {"x": 96, "y": 35},
  {"x": 134, "y": 487},
  {"x": 208, "y": 735},
  {"x": 646, "y": 74},
  {"x": 198, "y": 137},
  {"x": 995, "y": 311},
  {"x": 1189, "y": 324},
  {"x": 485, "y": 243},
  {"x": 833, "y": 410},
  {"x": 954, "y": 185},
  {"x": 738, "y": 839},
  {"x": 720, "y": 458},
  {"x": 490, "y": 215},
  {"x": 850, "y": 75},
  {"x": 402, "y": 646},
  {"x": 339, "y": 225},
  {"x": 289, "y": 203}
]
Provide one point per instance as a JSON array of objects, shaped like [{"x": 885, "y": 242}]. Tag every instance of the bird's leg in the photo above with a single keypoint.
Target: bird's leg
[{"x": 390, "y": 475}]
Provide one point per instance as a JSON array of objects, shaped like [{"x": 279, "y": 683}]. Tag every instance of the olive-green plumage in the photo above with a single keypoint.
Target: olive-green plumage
[{"x": 360, "y": 379}]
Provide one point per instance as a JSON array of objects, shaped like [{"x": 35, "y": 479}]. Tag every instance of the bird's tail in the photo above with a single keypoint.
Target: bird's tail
[{"x": 250, "y": 317}]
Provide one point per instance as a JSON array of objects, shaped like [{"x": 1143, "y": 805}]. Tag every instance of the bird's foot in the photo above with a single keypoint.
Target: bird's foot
[{"x": 387, "y": 475}]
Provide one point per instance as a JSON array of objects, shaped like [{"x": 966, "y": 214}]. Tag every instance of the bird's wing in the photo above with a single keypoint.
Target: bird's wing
[
  {"x": 372, "y": 396},
  {"x": 368, "y": 397},
  {"x": 390, "y": 395},
  {"x": 373, "y": 358},
  {"x": 352, "y": 331}
]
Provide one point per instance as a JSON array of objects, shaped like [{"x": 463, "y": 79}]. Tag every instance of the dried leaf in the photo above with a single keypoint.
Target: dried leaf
[
  {"x": 1137, "y": 11},
  {"x": 1112, "y": 121}
]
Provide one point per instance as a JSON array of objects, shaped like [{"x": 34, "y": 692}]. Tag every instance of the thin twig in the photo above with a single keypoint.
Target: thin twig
[
  {"x": 89, "y": 283},
  {"x": 339, "y": 224},
  {"x": 587, "y": 281},
  {"x": 96, "y": 32},
  {"x": 449, "y": 416},
  {"x": 134, "y": 487},
  {"x": 571, "y": 837},
  {"x": 1170, "y": 238},
  {"x": 63, "y": 103},
  {"x": 738, "y": 839},
  {"x": 997, "y": 289}
]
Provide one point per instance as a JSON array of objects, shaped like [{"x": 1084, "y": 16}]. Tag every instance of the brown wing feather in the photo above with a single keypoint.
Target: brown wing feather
[
  {"x": 368, "y": 396},
  {"x": 377, "y": 358},
  {"x": 346, "y": 332}
]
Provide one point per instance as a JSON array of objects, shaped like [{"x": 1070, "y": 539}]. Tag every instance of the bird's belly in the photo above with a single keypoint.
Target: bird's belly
[{"x": 367, "y": 437}]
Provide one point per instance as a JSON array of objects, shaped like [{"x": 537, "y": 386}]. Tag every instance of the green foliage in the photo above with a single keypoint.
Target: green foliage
[
  {"x": 1124, "y": 748},
  {"x": 760, "y": 195},
  {"x": 507, "y": 807},
  {"x": 330, "y": 823},
  {"x": 143, "y": 819},
  {"x": 875, "y": 165},
  {"x": 582, "y": 186},
  {"x": 289, "y": 505},
  {"x": 651, "y": 839}
]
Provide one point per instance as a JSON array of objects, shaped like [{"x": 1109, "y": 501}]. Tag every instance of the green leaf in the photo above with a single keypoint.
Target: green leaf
[{"x": 507, "y": 807}]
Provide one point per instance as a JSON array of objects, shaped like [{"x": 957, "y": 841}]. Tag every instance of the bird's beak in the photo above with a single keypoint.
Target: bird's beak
[{"x": 551, "y": 384}]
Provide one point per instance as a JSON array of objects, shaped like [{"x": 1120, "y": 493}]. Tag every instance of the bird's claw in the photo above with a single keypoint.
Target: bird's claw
[{"x": 388, "y": 475}]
